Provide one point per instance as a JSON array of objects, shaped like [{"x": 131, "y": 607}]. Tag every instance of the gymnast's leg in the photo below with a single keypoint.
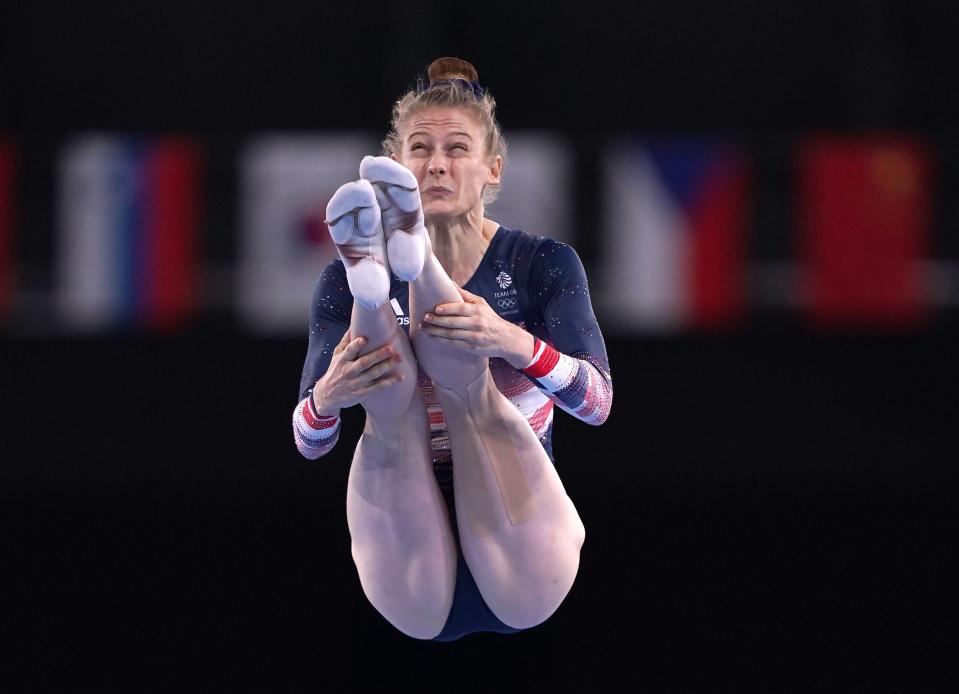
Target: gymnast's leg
[
  {"x": 519, "y": 531},
  {"x": 402, "y": 541}
]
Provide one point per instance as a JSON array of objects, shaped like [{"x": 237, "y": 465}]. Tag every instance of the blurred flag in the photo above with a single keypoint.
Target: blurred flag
[
  {"x": 865, "y": 211},
  {"x": 7, "y": 171},
  {"x": 286, "y": 181},
  {"x": 674, "y": 246},
  {"x": 127, "y": 246},
  {"x": 537, "y": 186}
]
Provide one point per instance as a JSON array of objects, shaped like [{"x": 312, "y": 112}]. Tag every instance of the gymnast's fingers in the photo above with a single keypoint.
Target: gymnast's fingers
[
  {"x": 381, "y": 368},
  {"x": 460, "y": 322},
  {"x": 344, "y": 341},
  {"x": 380, "y": 383},
  {"x": 458, "y": 332},
  {"x": 455, "y": 308},
  {"x": 353, "y": 347},
  {"x": 374, "y": 357}
]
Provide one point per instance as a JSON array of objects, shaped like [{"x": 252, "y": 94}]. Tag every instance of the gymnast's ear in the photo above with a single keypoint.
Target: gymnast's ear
[{"x": 495, "y": 171}]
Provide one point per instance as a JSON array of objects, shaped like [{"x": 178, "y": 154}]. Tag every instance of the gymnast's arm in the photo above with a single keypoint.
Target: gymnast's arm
[
  {"x": 571, "y": 367},
  {"x": 316, "y": 425},
  {"x": 335, "y": 376}
]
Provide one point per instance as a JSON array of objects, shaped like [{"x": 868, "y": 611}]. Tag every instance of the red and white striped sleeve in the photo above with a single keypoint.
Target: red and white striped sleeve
[
  {"x": 315, "y": 434},
  {"x": 576, "y": 385}
]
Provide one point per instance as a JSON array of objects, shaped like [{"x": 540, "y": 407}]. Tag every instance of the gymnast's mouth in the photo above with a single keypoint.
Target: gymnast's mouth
[{"x": 437, "y": 190}]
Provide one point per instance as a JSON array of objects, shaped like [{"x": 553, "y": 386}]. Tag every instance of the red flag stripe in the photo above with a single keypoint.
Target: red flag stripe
[
  {"x": 172, "y": 234},
  {"x": 718, "y": 249}
]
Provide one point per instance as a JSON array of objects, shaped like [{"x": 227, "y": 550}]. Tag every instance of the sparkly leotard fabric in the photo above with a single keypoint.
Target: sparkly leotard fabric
[{"x": 532, "y": 281}]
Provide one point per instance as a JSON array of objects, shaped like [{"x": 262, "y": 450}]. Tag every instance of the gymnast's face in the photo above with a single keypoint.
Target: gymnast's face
[{"x": 445, "y": 148}]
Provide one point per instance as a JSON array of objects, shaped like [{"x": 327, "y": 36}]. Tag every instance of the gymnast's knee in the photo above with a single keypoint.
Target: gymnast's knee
[
  {"x": 413, "y": 626},
  {"x": 420, "y": 615}
]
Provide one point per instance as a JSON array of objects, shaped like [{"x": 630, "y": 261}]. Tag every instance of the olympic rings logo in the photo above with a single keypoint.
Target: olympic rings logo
[{"x": 507, "y": 303}]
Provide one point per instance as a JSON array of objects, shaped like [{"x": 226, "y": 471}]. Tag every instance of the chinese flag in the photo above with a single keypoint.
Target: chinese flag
[{"x": 865, "y": 213}]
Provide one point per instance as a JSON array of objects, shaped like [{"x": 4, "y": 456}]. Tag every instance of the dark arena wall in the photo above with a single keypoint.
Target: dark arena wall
[
  {"x": 771, "y": 505},
  {"x": 762, "y": 508}
]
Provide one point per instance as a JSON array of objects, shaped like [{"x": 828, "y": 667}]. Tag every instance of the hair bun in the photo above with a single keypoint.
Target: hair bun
[{"x": 451, "y": 68}]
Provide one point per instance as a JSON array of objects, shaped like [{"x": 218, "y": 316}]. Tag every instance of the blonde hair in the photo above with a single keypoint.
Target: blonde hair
[{"x": 452, "y": 83}]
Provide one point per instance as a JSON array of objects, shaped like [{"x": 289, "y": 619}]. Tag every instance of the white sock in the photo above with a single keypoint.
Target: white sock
[
  {"x": 353, "y": 217},
  {"x": 398, "y": 196}
]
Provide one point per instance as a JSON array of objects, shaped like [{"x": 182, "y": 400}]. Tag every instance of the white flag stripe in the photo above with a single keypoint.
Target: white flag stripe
[
  {"x": 92, "y": 172},
  {"x": 645, "y": 254},
  {"x": 537, "y": 185}
]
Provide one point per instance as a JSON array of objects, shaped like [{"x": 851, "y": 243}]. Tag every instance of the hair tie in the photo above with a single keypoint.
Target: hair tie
[{"x": 477, "y": 90}]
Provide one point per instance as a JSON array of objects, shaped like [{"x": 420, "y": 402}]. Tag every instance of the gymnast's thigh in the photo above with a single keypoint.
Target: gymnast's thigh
[{"x": 469, "y": 613}]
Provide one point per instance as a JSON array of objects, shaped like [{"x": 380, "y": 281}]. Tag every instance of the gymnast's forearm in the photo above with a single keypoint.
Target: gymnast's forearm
[{"x": 576, "y": 385}]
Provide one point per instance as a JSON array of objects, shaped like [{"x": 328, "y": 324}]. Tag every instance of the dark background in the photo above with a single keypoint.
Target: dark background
[{"x": 770, "y": 508}]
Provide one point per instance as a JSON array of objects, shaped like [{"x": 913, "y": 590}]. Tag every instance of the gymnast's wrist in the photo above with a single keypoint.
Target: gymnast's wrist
[
  {"x": 524, "y": 347},
  {"x": 322, "y": 409}
]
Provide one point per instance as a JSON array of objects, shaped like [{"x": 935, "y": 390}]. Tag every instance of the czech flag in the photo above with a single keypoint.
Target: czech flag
[
  {"x": 865, "y": 213},
  {"x": 128, "y": 242},
  {"x": 675, "y": 239}
]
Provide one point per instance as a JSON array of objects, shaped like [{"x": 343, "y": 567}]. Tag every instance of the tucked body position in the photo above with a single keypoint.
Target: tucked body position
[{"x": 459, "y": 337}]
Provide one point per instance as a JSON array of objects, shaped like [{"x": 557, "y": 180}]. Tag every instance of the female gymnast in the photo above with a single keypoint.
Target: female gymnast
[{"x": 457, "y": 335}]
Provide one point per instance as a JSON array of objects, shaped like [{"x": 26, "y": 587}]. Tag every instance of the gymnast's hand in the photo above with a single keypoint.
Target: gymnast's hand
[
  {"x": 351, "y": 378},
  {"x": 473, "y": 326}
]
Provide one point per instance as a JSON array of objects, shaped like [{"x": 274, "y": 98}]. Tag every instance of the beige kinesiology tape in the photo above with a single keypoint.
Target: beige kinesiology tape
[{"x": 483, "y": 415}]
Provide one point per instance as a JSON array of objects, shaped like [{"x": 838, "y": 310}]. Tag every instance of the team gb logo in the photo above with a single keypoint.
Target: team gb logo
[{"x": 503, "y": 280}]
